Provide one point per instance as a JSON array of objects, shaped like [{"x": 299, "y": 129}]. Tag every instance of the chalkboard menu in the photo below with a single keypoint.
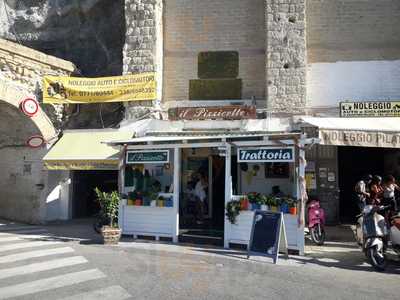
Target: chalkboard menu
[{"x": 268, "y": 235}]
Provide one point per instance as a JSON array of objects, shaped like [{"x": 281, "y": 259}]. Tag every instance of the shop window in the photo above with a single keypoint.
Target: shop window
[
  {"x": 277, "y": 170},
  {"x": 147, "y": 183}
]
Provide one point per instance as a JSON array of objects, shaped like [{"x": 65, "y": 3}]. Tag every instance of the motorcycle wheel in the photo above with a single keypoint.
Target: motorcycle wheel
[
  {"x": 318, "y": 234},
  {"x": 376, "y": 258}
]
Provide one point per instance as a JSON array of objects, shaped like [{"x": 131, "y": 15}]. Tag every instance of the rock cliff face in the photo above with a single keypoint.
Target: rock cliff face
[{"x": 89, "y": 33}]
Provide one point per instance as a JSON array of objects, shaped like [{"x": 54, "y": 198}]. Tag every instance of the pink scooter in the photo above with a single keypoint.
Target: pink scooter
[{"x": 316, "y": 222}]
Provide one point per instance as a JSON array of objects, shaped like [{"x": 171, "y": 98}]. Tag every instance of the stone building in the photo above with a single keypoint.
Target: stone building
[
  {"x": 25, "y": 186},
  {"x": 291, "y": 57}
]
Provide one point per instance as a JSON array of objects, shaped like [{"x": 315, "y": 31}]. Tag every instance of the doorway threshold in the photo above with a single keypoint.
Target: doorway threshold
[{"x": 201, "y": 237}]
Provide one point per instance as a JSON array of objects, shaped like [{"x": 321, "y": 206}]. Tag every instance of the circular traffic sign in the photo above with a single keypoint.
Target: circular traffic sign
[
  {"x": 35, "y": 141},
  {"x": 30, "y": 107}
]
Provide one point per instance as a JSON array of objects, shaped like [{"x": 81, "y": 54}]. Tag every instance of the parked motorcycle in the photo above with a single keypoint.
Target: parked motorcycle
[
  {"x": 373, "y": 235},
  {"x": 316, "y": 222}
]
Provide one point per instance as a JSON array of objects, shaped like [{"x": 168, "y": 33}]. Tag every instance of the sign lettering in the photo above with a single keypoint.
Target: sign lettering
[
  {"x": 370, "y": 109},
  {"x": 266, "y": 154},
  {"x": 149, "y": 157},
  {"x": 230, "y": 112},
  {"x": 62, "y": 89},
  {"x": 359, "y": 138}
]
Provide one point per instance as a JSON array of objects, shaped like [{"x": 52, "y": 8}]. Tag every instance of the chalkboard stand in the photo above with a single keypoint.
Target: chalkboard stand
[{"x": 277, "y": 242}]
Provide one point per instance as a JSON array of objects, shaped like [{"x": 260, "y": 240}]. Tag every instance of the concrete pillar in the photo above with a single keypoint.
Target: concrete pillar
[
  {"x": 286, "y": 56},
  {"x": 143, "y": 49}
]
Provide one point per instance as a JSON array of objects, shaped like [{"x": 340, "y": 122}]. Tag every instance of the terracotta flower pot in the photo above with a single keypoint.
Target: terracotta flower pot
[
  {"x": 110, "y": 235},
  {"x": 244, "y": 204},
  {"x": 293, "y": 210},
  {"x": 138, "y": 202}
]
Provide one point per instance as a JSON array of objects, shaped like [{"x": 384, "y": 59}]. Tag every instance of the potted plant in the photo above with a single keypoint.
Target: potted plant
[
  {"x": 273, "y": 204},
  {"x": 255, "y": 200},
  {"x": 109, "y": 202},
  {"x": 266, "y": 202},
  {"x": 233, "y": 210},
  {"x": 244, "y": 203},
  {"x": 292, "y": 207},
  {"x": 284, "y": 205}
]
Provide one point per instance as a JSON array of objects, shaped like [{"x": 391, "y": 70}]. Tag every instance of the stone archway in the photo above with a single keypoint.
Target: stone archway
[
  {"x": 13, "y": 95},
  {"x": 23, "y": 181}
]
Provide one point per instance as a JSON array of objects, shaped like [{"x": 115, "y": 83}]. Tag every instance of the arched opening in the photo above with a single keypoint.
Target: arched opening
[{"x": 21, "y": 178}]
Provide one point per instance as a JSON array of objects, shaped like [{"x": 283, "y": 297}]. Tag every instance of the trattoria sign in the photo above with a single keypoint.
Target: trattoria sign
[
  {"x": 231, "y": 112},
  {"x": 147, "y": 157},
  {"x": 266, "y": 154},
  {"x": 359, "y": 138},
  {"x": 370, "y": 109}
]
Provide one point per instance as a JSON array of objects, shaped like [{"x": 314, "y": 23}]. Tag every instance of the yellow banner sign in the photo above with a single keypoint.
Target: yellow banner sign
[{"x": 57, "y": 89}]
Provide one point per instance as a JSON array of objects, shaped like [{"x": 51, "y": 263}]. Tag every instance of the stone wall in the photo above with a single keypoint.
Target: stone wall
[
  {"x": 23, "y": 181},
  {"x": 353, "y": 52},
  {"x": 353, "y": 30},
  {"x": 143, "y": 49},
  {"x": 193, "y": 26},
  {"x": 286, "y": 55}
]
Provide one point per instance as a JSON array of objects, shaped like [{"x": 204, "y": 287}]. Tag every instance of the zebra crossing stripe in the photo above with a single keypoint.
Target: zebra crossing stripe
[
  {"x": 14, "y": 228},
  {"x": 16, "y": 246},
  {"x": 25, "y": 231},
  {"x": 42, "y": 266},
  {"x": 33, "y": 254},
  {"x": 22, "y": 237},
  {"x": 51, "y": 283},
  {"x": 109, "y": 293}
]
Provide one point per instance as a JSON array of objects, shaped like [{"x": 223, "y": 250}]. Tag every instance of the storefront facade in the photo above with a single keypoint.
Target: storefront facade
[
  {"x": 161, "y": 176},
  {"x": 349, "y": 149}
]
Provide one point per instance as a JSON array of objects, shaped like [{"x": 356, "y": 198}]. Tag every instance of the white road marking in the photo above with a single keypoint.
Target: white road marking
[
  {"x": 109, "y": 293},
  {"x": 51, "y": 283},
  {"x": 42, "y": 266},
  {"x": 38, "y": 230},
  {"x": 33, "y": 254},
  {"x": 16, "y": 246},
  {"x": 13, "y": 228},
  {"x": 22, "y": 237}
]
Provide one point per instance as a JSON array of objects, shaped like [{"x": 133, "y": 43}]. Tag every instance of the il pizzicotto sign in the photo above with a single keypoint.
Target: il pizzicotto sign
[{"x": 270, "y": 154}]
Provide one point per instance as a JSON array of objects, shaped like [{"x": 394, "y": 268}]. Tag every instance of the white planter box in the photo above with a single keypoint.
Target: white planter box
[
  {"x": 239, "y": 233},
  {"x": 147, "y": 220}
]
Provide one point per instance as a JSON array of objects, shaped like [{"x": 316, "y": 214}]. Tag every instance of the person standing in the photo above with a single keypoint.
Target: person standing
[
  {"x": 201, "y": 195},
  {"x": 361, "y": 188},
  {"x": 389, "y": 187},
  {"x": 375, "y": 191}
]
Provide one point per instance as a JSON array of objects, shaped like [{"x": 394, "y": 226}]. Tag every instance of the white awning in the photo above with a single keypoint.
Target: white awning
[{"x": 364, "y": 132}]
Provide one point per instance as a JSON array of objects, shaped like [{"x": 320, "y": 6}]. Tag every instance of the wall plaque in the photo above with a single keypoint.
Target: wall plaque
[{"x": 231, "y": 112}]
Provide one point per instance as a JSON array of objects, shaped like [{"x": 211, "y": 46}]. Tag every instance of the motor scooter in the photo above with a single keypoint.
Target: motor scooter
[
  {"x": 373, "y": 236},
  {"x": 316, "y": 222}
]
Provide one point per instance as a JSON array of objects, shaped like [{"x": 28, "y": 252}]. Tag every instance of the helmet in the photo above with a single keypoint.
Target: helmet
[{"x": 377, "y": 178}]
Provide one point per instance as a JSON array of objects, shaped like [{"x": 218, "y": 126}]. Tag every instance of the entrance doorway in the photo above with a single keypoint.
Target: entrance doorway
[
  {"x": 84, "y": 203},
  {"x": 354, "y": 163},
  {"x": 202, "y": 197}
]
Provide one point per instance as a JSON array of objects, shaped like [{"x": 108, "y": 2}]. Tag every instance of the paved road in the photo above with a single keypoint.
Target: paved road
[
  {"x": 65, "y": 262},
  {"x": 37, "y": 265}
]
